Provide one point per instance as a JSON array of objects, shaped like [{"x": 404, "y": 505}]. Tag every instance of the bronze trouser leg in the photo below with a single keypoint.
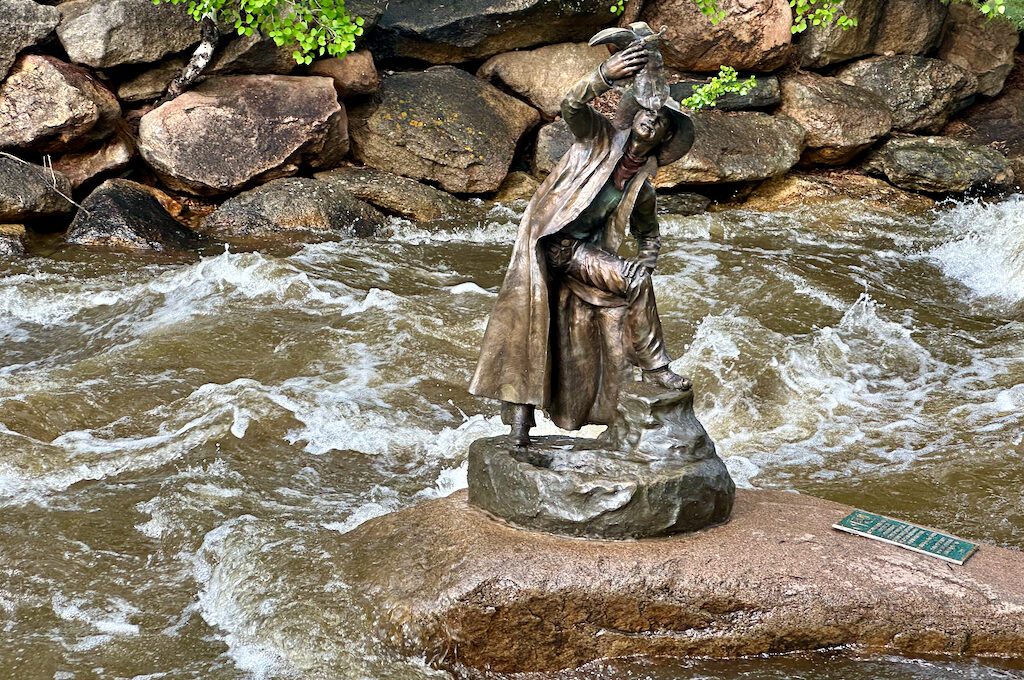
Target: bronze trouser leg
[{"x": 600, "y": 269}]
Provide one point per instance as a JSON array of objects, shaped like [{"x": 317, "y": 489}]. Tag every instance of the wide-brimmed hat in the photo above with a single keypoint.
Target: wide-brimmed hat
[{"x": 682, "y": 126}]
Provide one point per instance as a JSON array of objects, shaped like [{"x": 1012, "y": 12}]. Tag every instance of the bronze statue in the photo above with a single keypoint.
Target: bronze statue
[{"x": 572, "y": 316}]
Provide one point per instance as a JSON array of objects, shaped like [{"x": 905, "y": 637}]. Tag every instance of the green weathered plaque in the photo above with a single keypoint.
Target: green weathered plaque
[{"x": 909, "y": 536}]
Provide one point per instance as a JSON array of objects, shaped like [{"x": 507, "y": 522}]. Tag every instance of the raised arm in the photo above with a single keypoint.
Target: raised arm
[{"x": 581, "y": 118}]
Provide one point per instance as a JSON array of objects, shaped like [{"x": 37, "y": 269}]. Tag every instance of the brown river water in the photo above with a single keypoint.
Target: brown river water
[{"x": 183, "y": 442}]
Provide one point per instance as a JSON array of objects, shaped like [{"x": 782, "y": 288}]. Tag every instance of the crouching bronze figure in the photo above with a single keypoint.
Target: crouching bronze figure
[{"x": 573, "y": 316}]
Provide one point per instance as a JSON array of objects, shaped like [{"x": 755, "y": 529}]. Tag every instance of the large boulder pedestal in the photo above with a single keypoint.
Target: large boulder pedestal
[
  {"x": 446, "y": 580},
  {"x": 653, "y": 472}
]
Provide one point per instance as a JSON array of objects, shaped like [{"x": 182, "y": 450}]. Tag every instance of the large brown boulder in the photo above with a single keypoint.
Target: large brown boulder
[
  {"x": 841, "y": 120},
  {"x": 28, "y": 191},
  {"x": 921, "y": 93},
  {"x": 795, "y": 191},
  {"x": 124, "y": 215},
  {"x": 884, "y": 27},
  {"x": 982, "y": 46},
  {"x": 293, "y": 206},
  {"x": 82, "y": 166},
  {"x": 754, "y": 35},
  {"x": 447, "y": 581},
  {"x": 463, "y": 30},
  {"x": 234, "y": 130},
  {"x": 441, "y": 125},
  {"x": 553, "y": 140},
  {"x": 48, "y": 105},
  {"x": 23, "y": 23},
  {"x": 736, "y": 147},
  {"x": 104, "y": 33},
  {"x": 354, "y": 74},
  {"x": 544, "y": 75},
  {"x": 939, "y": 165},
  {"x": 397, "y": 195}
]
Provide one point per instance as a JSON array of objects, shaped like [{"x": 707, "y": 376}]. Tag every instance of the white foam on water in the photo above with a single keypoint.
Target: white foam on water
[
  {"x": 857, "y": 388},
  {"x": 984, "y": 247},
  {"x": 111, "y": 620}
]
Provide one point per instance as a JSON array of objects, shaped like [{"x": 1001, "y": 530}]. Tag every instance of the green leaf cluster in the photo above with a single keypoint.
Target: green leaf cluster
[
  {"x": 727, "y": 81},
  {"x": 314, "y": 28},
  {"x": 819, "y": 13},
  {"x": 618, "y": 7}
]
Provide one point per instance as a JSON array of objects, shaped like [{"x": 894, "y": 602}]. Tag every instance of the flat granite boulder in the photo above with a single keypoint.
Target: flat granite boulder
[
  {"x": 445, "y": 580},
  {"x": 653, "y": 472}
]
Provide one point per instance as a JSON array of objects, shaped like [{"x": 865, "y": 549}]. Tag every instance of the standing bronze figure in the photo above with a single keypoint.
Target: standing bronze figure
[{"x": 573, "y": 317}]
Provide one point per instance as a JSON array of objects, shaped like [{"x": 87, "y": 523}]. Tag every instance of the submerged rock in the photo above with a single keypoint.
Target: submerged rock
[
  {"x": 841, "y": 120},
  {"x": 464, "y": 30},
  {"x": 293, "y": 206},
  {"x": 543, "y": 76},
  {"x": 395, "y": 194},
  {"x": 23, "y": 23},
  {"x": 233, "y": 130},
  {"x": 104, "y": 33},
  {"x": 939, "y": 165},
  {"x": 921, "y": 93},
  {"x": 753, "y": 36},
  {"x": 29, "y": 191},
  {"x": 797, "y": 190},
  {"x": 983, "y": 46},
  {"x": 441, "y": 125},
  {"x": 653, "y": 472},
  {"x": 121, "y": 214},
  {"x": 682, "y": 203},
  {"x": 48, "y": 105},
  {"x": 736, "y": 147},
  {"x": 12, "y": 241},
  {"x": 446, "y": 580}
]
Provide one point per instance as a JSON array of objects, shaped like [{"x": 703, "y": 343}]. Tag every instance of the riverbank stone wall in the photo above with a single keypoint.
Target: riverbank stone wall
[{"x": 450, "y": 106}]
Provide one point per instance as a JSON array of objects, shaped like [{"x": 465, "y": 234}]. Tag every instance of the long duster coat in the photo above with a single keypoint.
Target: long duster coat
[{"x": 544, "y": 345}]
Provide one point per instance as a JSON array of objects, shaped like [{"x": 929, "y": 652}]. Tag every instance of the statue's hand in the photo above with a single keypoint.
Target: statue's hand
[
  {"x": 625, "y": 64},
  {"x": 635, "y": 269}
]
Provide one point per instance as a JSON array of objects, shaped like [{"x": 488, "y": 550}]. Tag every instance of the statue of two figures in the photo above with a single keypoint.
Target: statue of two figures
[{"x": 572, "y": 320}]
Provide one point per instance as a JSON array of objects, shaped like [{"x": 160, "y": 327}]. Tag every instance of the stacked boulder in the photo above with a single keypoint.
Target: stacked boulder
[{"x": 921, "y": 95}]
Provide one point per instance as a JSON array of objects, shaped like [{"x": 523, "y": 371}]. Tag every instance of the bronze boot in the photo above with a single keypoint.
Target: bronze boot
[{"x": 667, "y": 378}]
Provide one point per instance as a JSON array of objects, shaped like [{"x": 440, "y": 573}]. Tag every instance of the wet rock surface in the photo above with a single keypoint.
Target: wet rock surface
[
  {"x": 921, "y": 93},
  {"x": 233, "y": 130},
  {"x": 653, "y": 472},
  {"x": 48, "y": 105},
  {"x": 736, "y": 147},
  {"x": 292, "y": 206},
  {"x": 446, "y": 580},
  {"x": 29, "y": 191},
  {"x": 23, "y": 23},
  {"x": 841, "y": 120},
  {"x": 753, "y": 36},
  {"x": 395, "y": 194},
  {"x": 544, "y": 75},
  {"x": 12, "y": 241},
  {"x": 441, "y": 125},
  {"x": 104, "y": 33},
  {"x": 476, "y": 29},
  {"x": 797, "y": 190},
  {"x": 125, "y": 215},
  {"x": 939, "y": 165}
]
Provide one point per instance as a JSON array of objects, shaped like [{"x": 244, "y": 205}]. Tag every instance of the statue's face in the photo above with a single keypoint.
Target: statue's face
[{"x": 650, "y": 127}]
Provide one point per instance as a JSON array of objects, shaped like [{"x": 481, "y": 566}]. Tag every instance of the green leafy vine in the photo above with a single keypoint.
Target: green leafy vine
[
  {"x": 726, "y": 82},
  {"x": 312, "y": 27}
]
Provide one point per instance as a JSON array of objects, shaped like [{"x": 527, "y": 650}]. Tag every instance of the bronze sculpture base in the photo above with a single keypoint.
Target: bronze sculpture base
[{"x": 654, "y": 472}]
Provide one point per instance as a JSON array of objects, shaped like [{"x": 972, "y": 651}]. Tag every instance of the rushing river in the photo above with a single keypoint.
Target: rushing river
[{"x": 181, "y": 442}]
